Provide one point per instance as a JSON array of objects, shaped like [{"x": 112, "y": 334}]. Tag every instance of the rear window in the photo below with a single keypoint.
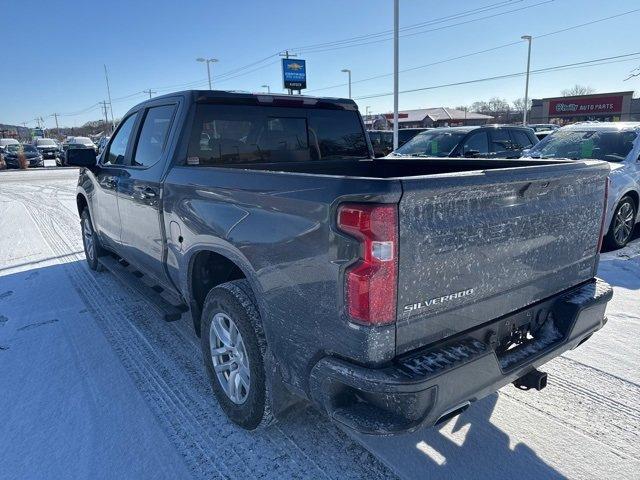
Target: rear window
[
  {"x": 45, "y": 143},
  {"x": 223, "y": 135},
  {"x": 611, "y": 146}
]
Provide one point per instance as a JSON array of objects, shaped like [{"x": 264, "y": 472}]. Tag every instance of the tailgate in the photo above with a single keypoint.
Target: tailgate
[{"x": 477, "y": 245}]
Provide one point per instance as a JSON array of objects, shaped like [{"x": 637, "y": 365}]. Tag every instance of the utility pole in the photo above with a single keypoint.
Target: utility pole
[
  {"x": 286, "y": 54},
  {"x": 106, "y": 76},
  {"x": 149, "y": 92},
  {"x": 396, "y": 41},
  {"x": 55, "y": 115},
  {"x": 526, "y": 88},
  {"x": 103, "y": 105}
]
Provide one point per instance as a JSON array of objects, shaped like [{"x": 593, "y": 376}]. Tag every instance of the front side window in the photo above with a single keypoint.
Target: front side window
[
  {"x": 232, "y": 135},
  {"x": 521, "y": 139},
  {"x": 118, "y": 147},
  {"x": 611, "y": 146},
  {"x": 153, "y": 136},
  {"x": 476, "y": 145},
  {"x": 500, "y": 141}
]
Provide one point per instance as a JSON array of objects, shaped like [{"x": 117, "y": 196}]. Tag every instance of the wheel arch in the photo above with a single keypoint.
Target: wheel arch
[
  {"x": 209, "y": 267},
  {"x": 82, "y": 203},
  {"x": 635, "y": 197}
]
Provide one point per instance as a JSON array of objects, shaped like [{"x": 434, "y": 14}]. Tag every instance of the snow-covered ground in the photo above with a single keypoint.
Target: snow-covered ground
[{"x": 93, "y": 384}]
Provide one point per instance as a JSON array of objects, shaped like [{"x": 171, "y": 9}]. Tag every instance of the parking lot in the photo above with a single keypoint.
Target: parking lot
[{"x": 97, "y": 385}]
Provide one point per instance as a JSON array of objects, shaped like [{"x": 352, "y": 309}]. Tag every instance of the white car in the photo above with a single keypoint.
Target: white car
[
  {"x": 7, "y": 141},
  {"x": 617, "y": 143}
]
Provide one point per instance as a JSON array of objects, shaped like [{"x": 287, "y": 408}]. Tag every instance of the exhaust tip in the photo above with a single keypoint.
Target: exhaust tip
[
  {"x": 452, "y": 413},
  {"x": 534, "y": 379}
]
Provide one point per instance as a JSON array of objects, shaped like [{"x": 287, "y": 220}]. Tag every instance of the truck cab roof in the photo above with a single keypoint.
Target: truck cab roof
[{"x": 248, "y": 98}]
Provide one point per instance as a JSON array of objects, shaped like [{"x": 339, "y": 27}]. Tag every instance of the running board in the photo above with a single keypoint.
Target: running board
[{"x": 168, "y": 304}]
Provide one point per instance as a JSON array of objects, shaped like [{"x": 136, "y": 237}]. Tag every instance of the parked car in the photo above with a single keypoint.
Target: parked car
[
  {"x": 7, "y": 141},
  {"x": 392, "y": 293},
  {"x": 617, "y": 143},
  {"x": 381, "y": 141},
  {"x": 540, "y": 134},
  {"x": 543, "y": 127},
  {"x": 12, "y": 154},
  {"x": 489, "y": 141},
  {"x": 73, "y": 143},
  {"x": 406, "y": 134},
  {"x": 48, "y": 148},
  {"x": 102, "y": 142}
]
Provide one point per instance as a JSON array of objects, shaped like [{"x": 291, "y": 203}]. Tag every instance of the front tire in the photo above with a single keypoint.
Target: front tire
[
  {"x": 92, "y": 247},
  {"x": 234, "y": 349},
  {"x": 622, "y": 224}
]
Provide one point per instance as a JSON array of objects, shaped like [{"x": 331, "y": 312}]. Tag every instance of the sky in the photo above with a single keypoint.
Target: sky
[{"x": 55, "y": 51}]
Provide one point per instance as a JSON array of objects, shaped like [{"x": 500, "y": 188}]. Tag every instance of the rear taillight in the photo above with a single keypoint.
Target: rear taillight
[
  {"x": 604, "y": 215},
  {"x": 371, "y": 283}
]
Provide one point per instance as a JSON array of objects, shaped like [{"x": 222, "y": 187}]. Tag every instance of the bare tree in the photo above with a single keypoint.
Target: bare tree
[
  {"x": 518, "y": 104},
  {"x": 493, "y": 105},
  {"x": 578, "y": 90}
]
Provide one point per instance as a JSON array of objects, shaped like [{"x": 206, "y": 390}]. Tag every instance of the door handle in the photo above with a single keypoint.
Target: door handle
[
  {"x": 110, "y": 182},
  {"x": 145, "y": 192}
]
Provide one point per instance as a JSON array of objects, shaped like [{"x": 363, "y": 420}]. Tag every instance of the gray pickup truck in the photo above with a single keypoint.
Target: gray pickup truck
[{"x": 391, "y": 293}]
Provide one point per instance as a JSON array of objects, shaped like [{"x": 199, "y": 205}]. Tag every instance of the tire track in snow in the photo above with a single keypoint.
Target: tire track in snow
[
  {"x": 598, "y": 404},
  {"x": 177, "y": 391}
]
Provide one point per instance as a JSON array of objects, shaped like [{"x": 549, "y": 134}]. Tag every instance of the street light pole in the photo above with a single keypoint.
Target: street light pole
[
  {"x": 396, "y": 24},
  {"x": 526, "y": 88},
  {"x": 207, "y": 61},
  {"x": 348, "y": 72},
  {"x": 267, "y": 87}
]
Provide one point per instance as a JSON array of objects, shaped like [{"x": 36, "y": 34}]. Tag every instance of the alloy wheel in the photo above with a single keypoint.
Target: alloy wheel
[
  {"x": 87, "y": 235},
  {"x": 229, "y": 358},
  {"x": 623, "y": 223}
]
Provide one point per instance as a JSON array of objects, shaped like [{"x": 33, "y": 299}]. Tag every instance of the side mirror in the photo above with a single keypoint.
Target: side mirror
[{"x": 81, "y": 157}]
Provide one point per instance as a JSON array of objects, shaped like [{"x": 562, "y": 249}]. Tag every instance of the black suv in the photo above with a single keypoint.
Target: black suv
[{"x": 488, "y": 141}]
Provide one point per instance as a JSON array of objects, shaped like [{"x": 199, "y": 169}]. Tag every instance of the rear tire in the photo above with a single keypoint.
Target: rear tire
[
  {"x": 92, "y": 247},
  {"x": 234, "y": 349},
  {"x": 622, "y": 224}
]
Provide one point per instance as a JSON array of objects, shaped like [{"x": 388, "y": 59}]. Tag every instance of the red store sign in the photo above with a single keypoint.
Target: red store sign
[{"x": 585, "y": 106}]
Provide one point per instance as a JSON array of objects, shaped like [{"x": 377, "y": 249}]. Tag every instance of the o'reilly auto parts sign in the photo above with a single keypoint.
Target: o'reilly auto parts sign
[
  {"x": 294, "y": 73},
  {"x": 585, "y": 106}
]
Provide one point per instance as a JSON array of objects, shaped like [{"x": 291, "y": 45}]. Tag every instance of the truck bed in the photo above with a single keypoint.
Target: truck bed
[
  {"x": 478, "y": 238},
  {"x": 394, "y": 168}
]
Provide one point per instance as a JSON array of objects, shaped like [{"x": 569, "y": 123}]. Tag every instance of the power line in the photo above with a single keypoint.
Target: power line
[
  {"x": 487, "y": 50},
  {"x": 408, "y": 27},
  {"x": 426, "y": 31},
  {"x": 568, "y": 66}
]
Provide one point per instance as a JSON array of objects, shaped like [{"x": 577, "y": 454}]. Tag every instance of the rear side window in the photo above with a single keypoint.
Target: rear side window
[
  {"x": 224, "y": 135},
  {"x": 118, "y": 146},
  {"x": 521, "y": 139},
  {"x": 153, "y": 136}
]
